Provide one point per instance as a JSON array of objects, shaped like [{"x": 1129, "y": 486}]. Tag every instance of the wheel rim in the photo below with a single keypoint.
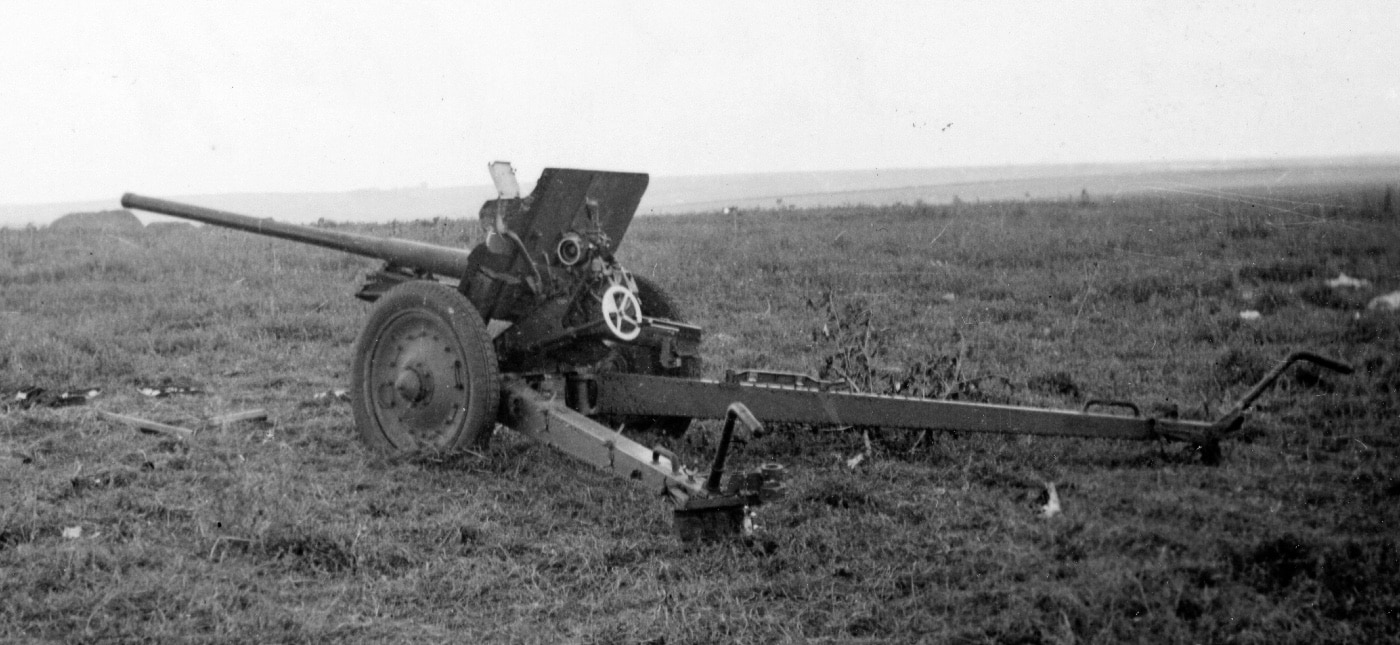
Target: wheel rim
[{"x": 416, "y": 382}]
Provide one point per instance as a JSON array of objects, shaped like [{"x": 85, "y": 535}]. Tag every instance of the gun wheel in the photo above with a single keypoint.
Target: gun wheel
[
  {"x": 638, "y": 359},
  {"x": 425, "y": 375}
]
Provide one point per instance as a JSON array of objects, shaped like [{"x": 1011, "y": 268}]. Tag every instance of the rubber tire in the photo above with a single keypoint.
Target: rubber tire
[
  {"x": 638, "y": 359},
  {"x": 446, "y": 310}
]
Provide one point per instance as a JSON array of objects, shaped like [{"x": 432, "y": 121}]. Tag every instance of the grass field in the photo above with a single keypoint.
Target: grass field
[{"x": 289, "y": 531}]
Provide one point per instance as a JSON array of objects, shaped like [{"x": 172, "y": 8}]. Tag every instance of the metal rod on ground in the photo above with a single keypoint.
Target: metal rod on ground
[
  {"x": 147, "y": 425},
  {"x": 235, "y": 417}
]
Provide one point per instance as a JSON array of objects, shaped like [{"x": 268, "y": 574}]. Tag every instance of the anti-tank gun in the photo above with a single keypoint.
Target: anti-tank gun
[
  {"x": 545, "y": 273},
  {"x": 583, "y": 350}
]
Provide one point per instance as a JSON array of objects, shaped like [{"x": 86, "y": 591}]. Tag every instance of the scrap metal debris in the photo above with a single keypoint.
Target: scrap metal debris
[
  {"x": 34, "y": 396},
  {"x": 235, "y": 417},
  {"x": 333, "y": 395},
  {"x": 155, "y": 427},
  {"x": 329, "y": 397},
  {"x": 147, "y": 426},
  {"x": 167, "y": 386}
]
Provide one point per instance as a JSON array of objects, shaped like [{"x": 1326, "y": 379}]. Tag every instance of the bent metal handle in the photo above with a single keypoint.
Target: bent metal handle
[
  {"x": 1268, "y": 380},
  {"x": 1323, "y": 361},
  {"x": 736, "y": 412},
  {"x": 441, "y": 260}
]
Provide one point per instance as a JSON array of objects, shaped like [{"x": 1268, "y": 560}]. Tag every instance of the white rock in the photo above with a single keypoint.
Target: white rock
[
  {"x": 1387, "y": 302},
  {"x": 1344, "y": 281},
  {"x": 1250, "y": 315},
  {"x": 1052, "y": 506}
]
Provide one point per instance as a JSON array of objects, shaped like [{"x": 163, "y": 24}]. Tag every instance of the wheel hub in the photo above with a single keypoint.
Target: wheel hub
[
  {"x": 414, "y": 386},
  {"x": 417, "y": 375}
]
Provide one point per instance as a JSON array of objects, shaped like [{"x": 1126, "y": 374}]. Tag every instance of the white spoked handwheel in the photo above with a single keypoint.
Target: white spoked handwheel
[{"x": 622, "y": 312}]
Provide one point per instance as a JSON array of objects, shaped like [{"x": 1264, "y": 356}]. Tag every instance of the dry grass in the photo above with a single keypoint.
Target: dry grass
[{"x": 291, "y": 532}]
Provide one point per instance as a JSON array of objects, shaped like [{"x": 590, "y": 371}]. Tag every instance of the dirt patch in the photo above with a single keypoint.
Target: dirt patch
[
  {"x": 842, "y": 494},
  {"x": 1239, "y": 367},
  {"x": 1143, "y": 289},
  {"x": 1351, "y": 578},
  {"x": 1287, "y": 271},
  {"x": 1056, "y": 383},
  {"x": 1321, "y": 295}
]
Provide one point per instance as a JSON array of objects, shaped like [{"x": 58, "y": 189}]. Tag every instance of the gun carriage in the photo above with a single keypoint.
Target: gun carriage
[{"x": 583, "y": 349}]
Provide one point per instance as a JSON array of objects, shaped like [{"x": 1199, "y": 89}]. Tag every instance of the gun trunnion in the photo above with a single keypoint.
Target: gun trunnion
[{"x": 588, "y": 346}]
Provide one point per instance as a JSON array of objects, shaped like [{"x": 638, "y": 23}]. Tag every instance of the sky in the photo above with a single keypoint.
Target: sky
[{"x": 187, "y": 98}]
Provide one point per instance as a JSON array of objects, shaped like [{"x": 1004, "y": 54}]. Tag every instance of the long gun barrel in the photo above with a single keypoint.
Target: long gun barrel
[{"x": 441, "y": 260}]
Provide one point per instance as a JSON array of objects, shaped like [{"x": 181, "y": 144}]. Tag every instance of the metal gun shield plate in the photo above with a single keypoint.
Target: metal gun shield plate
[
  {"x": 425, "y": 374},
  {"x": 564, "y": 200}
]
